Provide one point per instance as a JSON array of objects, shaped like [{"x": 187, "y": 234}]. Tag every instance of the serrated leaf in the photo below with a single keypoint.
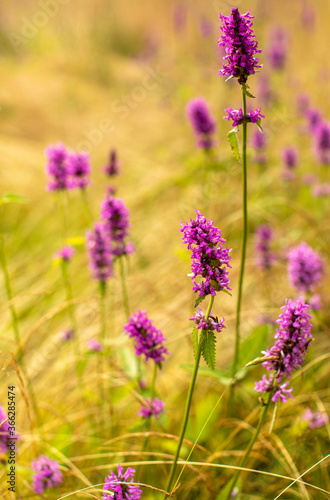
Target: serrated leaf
[
  {"x": 76, "y": 241},
  {"x": 233, "y": 141},
  {"x": 195, "y": 341},
  {"x": 208, "y": 346},
  {"x": 259, "y": 125},
  {"x": 13, "y": 198},
  {"x": 199, "y": 300},
  {"x": 246, "y": 92}
]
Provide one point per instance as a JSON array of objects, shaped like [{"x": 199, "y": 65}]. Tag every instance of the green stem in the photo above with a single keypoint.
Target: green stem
[
  {"x": 102, "y": 285},
  {"x": 69, "y": 297},
  {"x": 123, "y": 286},
  {"x": 244, "y": 240},
  {"x": 88, "y": 212},
  {"x": 249, "y": 448},
  {"x": 187, "y": 409}
]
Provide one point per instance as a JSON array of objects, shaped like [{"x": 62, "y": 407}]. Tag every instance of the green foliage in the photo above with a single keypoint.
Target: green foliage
[
  {"x": 233, "y": 141},
  {"x": 252, "y": 346},
  {"x": 195, "y": 341},
  {"x": 208, "y": 347},
  {"x": 13, "y": 198},
  {"x": 246, "y": 92}
]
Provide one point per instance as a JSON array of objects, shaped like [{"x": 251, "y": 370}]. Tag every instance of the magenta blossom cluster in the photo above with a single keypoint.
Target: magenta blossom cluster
[
  {"x": 113, "y": 166},
  {"x": 66, "y": 253},
  {"x": 124, "y": 491},
  {"x": 202, "y": 122},
  {"x": 240, "y": 46},
  {"x": 66, "y": 170},
  {"x": 149, "y": 340},
  {"x": 210, "y": 257},
  {"x": 264, "y": 256},
  {"x": 6, "y": 438},
  {"x": 322, "y": 142},
  {"x": 48, "y": 474},
  {"x": 292, "y": 340},
  {"x": 100, "y": 253},
  {"x": 114, "y": 215},
  {"x": 152, "y": 409},
  {"x": 305, "y": 267},
  {"x": 315, "y": 419},
  {"x": 237, "y": 116},
  {"x": 212, "y": 323},
  {"x": 94, "y": 345}
]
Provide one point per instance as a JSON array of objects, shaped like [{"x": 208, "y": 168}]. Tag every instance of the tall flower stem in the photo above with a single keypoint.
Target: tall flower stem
[
  {"x": 188, "y": 404},
  {"x": 123, "y": 286},
  {"x": 244, "y": 241},
  {"x": 69, "y": 297},
  {"x": 102, "y": 338},
  {"x": 251, "y": 444},
  {"x": 88, "y": 212}
]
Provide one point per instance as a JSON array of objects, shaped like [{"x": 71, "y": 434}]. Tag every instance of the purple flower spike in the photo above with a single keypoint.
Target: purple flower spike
[
  {"x": 264, "y": 257},
  {"x": 66, "y": 253},
  {"x": 99, "y": 249},
  {"x": 210, "y": 324},
  {"x": 148, "y": 339},
  {"x": 113, "y": 166},
  {"x": 210, "y": 257},
  {"x": 152, "y": 409},
  {"x": 314, "y": 119},
  {"x": 202, "y": 122},
  {"x": 115, "y": 216},
  {"x": 322, "y": 143},
  {"x": 57, "y": 168},
  {"x": 238, "y": 118},
  {"x": 305, "y": 268},
  {"x": 125, "y": 491},
  {"x": 315, "y": 419},
  {"x": 240, "y": 45},
  {"x": 79, "y": 168},
  {"x": 292, "y": 340},
  {"x": 48, "y": 474}
]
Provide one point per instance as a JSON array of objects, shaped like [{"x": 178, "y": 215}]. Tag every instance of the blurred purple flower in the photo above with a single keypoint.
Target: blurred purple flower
[
  {"x": 57, "y": 168},
  {"x": 79, "y": 169},
  {"x": 302, "y": 103},
  {"x": 205, "y": 27},
  {"x": 152, "y": 409},
  {"x": 179, "y": 16},
  {"x": 238, "y": 118},
  {"x": 305, "y": 267},
  {"x": 113, "y": 166},
  {"x": 315, "y": 419},
  {"x": 277, "y": 52},
  {"x": 94, "y": 345},
  {"x": 322, "y": 142},
  {"x": 210, "y": 257},
  {"x": 148, "y": 339},
  {"x": 66, "y": 253},
  {"x": 67, "y": 335},
  {"x": 210, "y": 324},
  {"x": 308, "y": 16},
  {"x": 6, "y": 432},
  {"x": 321, "y": 190},
  {"x": 314, "y": 119},
  {"x": 290, "y": 161},
  {"x": 315, "y": 302},
  {"x": 265, "y": 92},
  {"x": 263, "y": 237},
  {"x": 202, "y": 122},
  {"x": 241, "y": 47},
  {"x": 100, "y": 253},
  {"x": 114, "y": 214},
  {"x": 258, "y": 140},
  {"x": 126, "y": 491},
  {"x": 48, "y": 474}
]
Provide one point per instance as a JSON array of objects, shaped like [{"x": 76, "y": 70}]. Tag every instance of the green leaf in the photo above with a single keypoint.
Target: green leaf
[
  {"x": 199, "y": 300},
  {"x": 13, "y": 198},
  {"x": 76, "y": 241},
  {"x": 195, "y": 341},
  {"x": 80, "y": 368},
  {"x": 259, "y": 125},
  {"x": 226, "y": 291},
  {"x": 246, "y": 92},
  {"x": 252, "y": 346},
  {"x": 208, "y": 346},
  {"x": 233, "y": 141}
]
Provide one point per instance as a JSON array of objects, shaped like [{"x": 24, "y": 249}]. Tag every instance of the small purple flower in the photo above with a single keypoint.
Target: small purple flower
[
  {"x": 322, "y": 142},
  {"x": 57, "y": 168},
  {"x": 314, "y": 118},
  {"x": 265, "y": 92},
  {"x": 308, "y": 16},
  {"x": 315, "y": 419},
  {"x": 292, "y": 340},
  {"x": 240, "y": 44},
  {"x": 126, "y": 491},
  {"x": 277, "y": 53},
  {"x": 290, "y": 157},
  {"x": 205, "y": 27},
  {"x": 148, "y": 339},
  {"x": 264, "y": 256},
  {"x": 94, "y": 345},
  {"x": 305, "y": 267},
  {"x": 210, "y": 257},
  {"x": 152, "y": 409},
  {"x": 315, "y": 302},
  {"x": 66, "y": 253},
  {"x": 113, "y": 166},
  {"x": 48, "y": 474},
  {"x": 210, "y": 324},
  {"x": 79, "y": 169},
  {"x": 114, "y": 214},
  {"x": 67, "y": 335},
  {"x": 202, "y": 122},
  {"x": 302, "y": 103},
  {"x": 321, "y": 190},
  {"x": 5, "y": 431},
  {"x": 100, "y": 253},
  {"x": 258, "y": 140},
  {"x": 238, "y": 118}
]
